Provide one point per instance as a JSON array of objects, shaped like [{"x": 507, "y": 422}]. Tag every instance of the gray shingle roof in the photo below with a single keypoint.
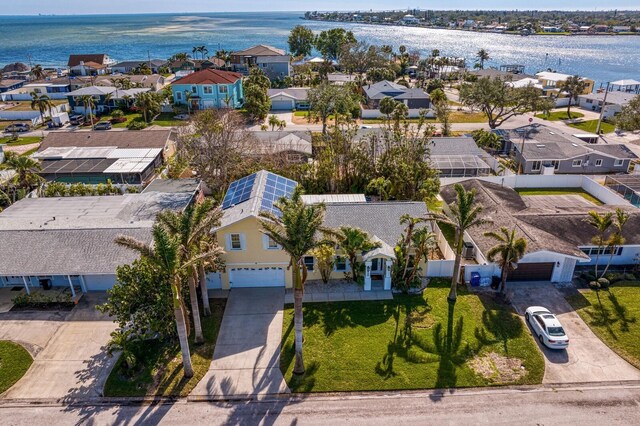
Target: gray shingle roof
[
  {"x": 383, "y": 89},
  {"x": 124, "y": 139},
  {"x": 455, "y": 146}
]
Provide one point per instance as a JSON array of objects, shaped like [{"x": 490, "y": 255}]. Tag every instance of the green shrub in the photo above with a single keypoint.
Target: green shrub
[
  {"x": 136, "y": 125},
  {"x": 132, "y": 190},
  {"x": 56, "y": 189},
  {"x": 117, "y": 113},
  {"x": 594, "y": 285},
  {"x": 40, "y": 300},
  {"x": 603, "y": 283}
]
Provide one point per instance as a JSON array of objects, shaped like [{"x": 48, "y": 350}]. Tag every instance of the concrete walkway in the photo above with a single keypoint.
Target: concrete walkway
[
  {"x": 246, "y": 360},
  {"x": 70, "y": 359},
  {"x": 340, "y": 291},
  {"x": 587, "y": 359}
]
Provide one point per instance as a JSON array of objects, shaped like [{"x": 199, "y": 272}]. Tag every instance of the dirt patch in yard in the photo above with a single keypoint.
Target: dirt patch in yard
[
  {"x": 421, "y": 318},
  {"x": 498, "y": 368}
]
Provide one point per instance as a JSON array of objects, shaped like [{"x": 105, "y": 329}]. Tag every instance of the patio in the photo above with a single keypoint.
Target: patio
[{"x": 340, "y": 291}]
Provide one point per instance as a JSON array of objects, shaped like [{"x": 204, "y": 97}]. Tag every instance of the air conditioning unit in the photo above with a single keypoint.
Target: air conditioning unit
[{"x": 468, "y": 250}]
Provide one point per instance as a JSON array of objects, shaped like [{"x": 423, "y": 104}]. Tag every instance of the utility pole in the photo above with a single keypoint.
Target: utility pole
[{"x": 604, "y": 104}]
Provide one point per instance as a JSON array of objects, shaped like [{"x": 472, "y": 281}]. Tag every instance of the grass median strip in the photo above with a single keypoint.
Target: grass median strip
[{"x": 14, "y": 363}]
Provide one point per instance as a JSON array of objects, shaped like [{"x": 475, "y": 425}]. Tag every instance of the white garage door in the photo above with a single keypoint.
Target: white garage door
[
  {"x": 214, "y": 280},
  {"x": 99, "y": 282},
  {"x": 282, "y": 105},
  {"x": 256, "y": 277}
]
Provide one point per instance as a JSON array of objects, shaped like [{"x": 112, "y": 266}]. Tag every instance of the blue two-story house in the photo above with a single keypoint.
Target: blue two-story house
[{"x": 209, "y": 88}]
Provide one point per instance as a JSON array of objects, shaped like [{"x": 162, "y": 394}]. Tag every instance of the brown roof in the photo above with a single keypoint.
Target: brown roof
[
  {"x": 260, "y": 50},
  {"x": 560, "y": 230},
  {"x": 76, "y": 59},
  {"x": 210, "y": 76},
  {"x": 94, "y": 65},
  {"x": 124, "y": 139}
]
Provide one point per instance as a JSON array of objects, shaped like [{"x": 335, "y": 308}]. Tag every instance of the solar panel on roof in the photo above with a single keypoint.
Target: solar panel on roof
[
  {"x": 239, "y": 191},
  {"x": 275, "y": 188}
]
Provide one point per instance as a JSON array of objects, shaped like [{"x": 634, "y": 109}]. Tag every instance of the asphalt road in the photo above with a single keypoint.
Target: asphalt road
[{"x": 594, "y": 405}]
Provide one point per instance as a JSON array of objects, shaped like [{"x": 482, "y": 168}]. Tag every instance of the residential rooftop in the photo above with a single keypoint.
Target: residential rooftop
[
  {"x": 127, "y": 139},
  {"x": 210, "y": 76}
]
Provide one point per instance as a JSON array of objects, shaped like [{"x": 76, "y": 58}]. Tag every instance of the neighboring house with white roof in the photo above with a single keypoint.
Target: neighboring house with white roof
[
  {"x": 551, "y": 82},
  {"x": 615, "y": 101},
  {"x": 99, "y": 94},
  {"x": 289, "y": 99}
]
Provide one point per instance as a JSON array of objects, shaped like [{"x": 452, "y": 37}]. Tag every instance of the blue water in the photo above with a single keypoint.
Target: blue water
[{"x": 49, "y": 40}]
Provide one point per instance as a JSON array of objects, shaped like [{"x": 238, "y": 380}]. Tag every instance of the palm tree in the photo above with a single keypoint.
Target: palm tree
[
  {"x": 192, "y": 228},
  {"x": 354, "y": 241},
  {"x": 296, "y": 230},
  {"x": 195, "y": 50},
  {"x": 273, "y": 122},
  {"x": 37, "y": 72},
  {"x": 510, "y": 248},
  {"x": 602, "y": 223},
  {"x": 187, "y": 99},
  {"x": 574, "y": 86},
  {"x": 482, "y": 56},
  {"x": 42, "y": 103},
  {"x": 89, "y": 103},
  {"x": 165, "y": 255},
  {"x": 26, "y": 169},
  {"x": 616, "y": 239},
  {"x": 422, "y": 241},
  {"x": 107, "y": 99},
  {"x": 465, "y": 214}
]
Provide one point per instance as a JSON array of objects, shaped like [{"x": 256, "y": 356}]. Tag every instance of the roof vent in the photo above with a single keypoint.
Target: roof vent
[
  {"x": 574, "y": 144},
  {"x": 539, "y": 145},
  {"x": 551, "y": 133}
]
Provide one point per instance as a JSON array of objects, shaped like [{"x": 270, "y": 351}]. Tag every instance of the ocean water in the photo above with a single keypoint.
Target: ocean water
[{"x": 49, "y": 40}]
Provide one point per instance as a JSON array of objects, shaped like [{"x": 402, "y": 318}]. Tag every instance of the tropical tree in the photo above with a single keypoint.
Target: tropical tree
[
  {"x": 274, "y": 122},
  {"x": 573, "y": 86},
  {"x": 192, "y": 229},
  {"x": 256, "y": 98},
  {"x": 629, "y": 117},
  {"x": 442, "y": 109},
  {"x": 355, "y": 241},
  {"x": 88, "y": 103},
  {"x": 510, "y": 249},
  {"x": 26, "y": 169},
  {"x": 330, "y": 42},
  {"x": 387, "y": 106},
  {"x": 37, "y": 72},
  {"x": 482, "y": 56},
  {"x": 465, "y": 214},
  {"x": 42, "y": 103},
  {"x": 301, "y": 41},
  {"x": 297, "y": 231},
  {"x": 164, "y": 254},
  {"x": 187, "y": 98},
  {"x": 602, "y": 223},
  {"x": 423, "y": 242},
  {"x": 616, "y": 240},
  {"x": 325, "y": 258}
]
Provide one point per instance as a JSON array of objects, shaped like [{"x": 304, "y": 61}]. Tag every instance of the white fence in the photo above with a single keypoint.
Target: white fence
[
  {"x": 440, "y": 268},
  {"x": 485, "y": 271},
  {"x": 33, "y": 115}
]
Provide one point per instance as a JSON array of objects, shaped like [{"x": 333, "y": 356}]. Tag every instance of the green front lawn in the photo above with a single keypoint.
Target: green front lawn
[
  {"x": 448, "y": 232},
  {"x": 164, "y": 119},
  {"x": 590, "y": 126},
  {"x": 560, "y": 115},
  {"x": 27, "y": 140},
  {"x": 614, "y": 316},
  {"x": 14, "y": 363},
  {"x": 161, "y": 372},
  {"x": 559, "y": 191},
  {"x": 411, "y": 342}
]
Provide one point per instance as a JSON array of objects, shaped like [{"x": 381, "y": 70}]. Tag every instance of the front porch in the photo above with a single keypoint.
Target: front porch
[{"x": 54, "y": 286}]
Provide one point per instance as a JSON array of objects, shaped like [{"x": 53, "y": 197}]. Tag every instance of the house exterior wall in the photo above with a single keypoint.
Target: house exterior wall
[
  {"x": 587, "y": 166},
  {"x": 610, "y": 110},
  {"x": 274, "y": 70},
  {"x": 629, "y": 255},
  {"x": 215, "y": 99}
]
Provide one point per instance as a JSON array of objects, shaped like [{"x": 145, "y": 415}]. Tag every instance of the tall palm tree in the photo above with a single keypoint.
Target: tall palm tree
[
  {"x": 422, "y": 241},
  {"x": 573, "y": 86},
  {"x": 37, "y": 72},
  {"x": 296, "y": 230},
  {"x": 354, "y": 241},
  {"x": 187, "y": 99},
  {"x": 164, "y": 254},
  {"x": 482, "y": 56},
  {"x": 88, "y": 103},
  {"x": 465, "y": 214},
  {"x": 195, "y": 50},
  {"x": 42, "y": 103},
  {"x": 616, "y": 239},
  {"x": 192, "y": 228},
  {"x": 510, "y": 248},
  {"x": 602, "y": 223},
  {"x": 107, "y": 98},
  {"x": 26, "y": 169}
]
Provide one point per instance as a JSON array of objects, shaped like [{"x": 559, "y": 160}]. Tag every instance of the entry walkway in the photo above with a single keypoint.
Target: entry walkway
[
  {"x": 340, "y": 291},
  {"x": 587, "y": 359},
  {"x": 246, "y": 360}
]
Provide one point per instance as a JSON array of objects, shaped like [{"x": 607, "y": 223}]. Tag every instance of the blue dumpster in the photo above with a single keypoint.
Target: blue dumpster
[{"x": 475, "y": 279}]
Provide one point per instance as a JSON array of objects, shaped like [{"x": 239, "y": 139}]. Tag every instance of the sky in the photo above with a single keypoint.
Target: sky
[{"x": 79, "y": 7}]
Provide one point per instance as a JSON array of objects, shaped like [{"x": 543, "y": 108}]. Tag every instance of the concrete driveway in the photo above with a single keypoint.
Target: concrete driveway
[
  {"x": 70, "y": 360},
  {"x": 587, "y": 359},
  {"x": 246, "y": 360}
]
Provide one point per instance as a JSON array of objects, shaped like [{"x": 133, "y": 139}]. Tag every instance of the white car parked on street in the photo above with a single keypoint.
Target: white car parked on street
[{"x": 547, "y": 327}]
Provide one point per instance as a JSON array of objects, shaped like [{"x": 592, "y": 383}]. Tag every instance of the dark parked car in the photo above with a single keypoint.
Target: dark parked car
[
  {"x": 17, "y": 128},
  {"x": 102, "y": 125},
  {"x": 76, "y": 120}
]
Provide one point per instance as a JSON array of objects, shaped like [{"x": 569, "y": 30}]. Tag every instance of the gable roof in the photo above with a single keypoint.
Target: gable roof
[
  {"x": 297, "y": 93},
  {"x": 463, "y": 145},
  {"x": 74, "y": 60},
  {"x": 124, "y": 139},
  {"x": 385, "y": 88},
  {"x": 260, "y": 50},
  {"x": 210, "y": 76},
  {"x": 104, "y": 90},
  {"x": 282, "y": 141}
]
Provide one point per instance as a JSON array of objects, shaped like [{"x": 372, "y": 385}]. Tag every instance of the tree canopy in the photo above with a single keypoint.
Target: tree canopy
[
  {"x": 330, "y": 42},
  {"x": 301, "y": 40}
]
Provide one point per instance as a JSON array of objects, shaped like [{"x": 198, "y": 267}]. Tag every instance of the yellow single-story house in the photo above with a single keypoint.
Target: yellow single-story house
[{"x": 252, "y": 259}]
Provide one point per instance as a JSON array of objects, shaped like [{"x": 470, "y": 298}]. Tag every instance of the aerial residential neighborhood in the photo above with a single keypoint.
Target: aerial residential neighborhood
[{"x": 327, "y": 221}]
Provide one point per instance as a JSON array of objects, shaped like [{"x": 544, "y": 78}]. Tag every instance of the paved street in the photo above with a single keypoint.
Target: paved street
[{"x": 613, "y": 405}]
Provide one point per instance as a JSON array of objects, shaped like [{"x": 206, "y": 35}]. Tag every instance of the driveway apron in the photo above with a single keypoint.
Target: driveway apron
[
  {"x": 246, "y": 360},
  {"x": 587, "y": 359}
]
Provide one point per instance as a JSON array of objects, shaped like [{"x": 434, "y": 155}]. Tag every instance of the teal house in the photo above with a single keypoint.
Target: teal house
[{"x": 209, "y": 88}]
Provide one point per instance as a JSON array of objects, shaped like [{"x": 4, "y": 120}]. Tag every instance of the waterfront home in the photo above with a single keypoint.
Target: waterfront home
[
  {"x": 242, "y": 60},
  {"x": 127, "y": 67},
  {"x": 615, "y": 102},
  {"x": 8, "y": 85},
  {"x": 89, "y": 64},
  {"x": 275, "y": 67},
  {"x": 155, "y": 82},
  {"x": 70, "y": 241},
  {"x": 539, "y": 149},
  {"x": 289, "y": 99},
  {"x": 105, "y": 98},
  {"x": 209, "y": 88},
  {"x": 127, "y": 157},
  {"x": 551, "y": 82},
  {"x": 190, "y": 65},
  {"x": 414, "y": 98}
]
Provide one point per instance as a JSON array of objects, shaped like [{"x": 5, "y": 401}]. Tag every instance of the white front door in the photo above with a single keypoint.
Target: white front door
[{"x": 256, "y": 277}]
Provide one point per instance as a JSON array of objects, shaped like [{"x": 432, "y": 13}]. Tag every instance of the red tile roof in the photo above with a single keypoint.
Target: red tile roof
[{"x": 210, "y": 76}]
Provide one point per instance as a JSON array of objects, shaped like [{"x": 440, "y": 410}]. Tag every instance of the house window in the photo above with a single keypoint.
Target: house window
[
  {"x": 599, "y": 162},
  {"x": 308, "y": 262},
  {"x": 536, "y": 166},
  {"x": 178, "y": 96},
  {"x": 618, "y": 163},
  {"x": 576, "y": 163},
  {"x": 269, "y": 243},
  {"x": 194, "y": 89},
  {"x": 555, "y": 164},
  {"x": 222, "y": 89},
  {"x": 208, "y": 90},
  {"x": 340, "y": 264},
  {"x": 235, "y": 242}
]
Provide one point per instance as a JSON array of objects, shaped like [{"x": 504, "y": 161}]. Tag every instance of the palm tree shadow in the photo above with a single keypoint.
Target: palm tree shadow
[
  {"x": 501, "y": 323},
  {"x": 601, "y": 316},
  {"x": 621, "y": 313}
]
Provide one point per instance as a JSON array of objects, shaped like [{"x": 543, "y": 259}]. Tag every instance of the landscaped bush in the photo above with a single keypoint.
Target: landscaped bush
[
  {"x": 41, "y": 300},
  {"x": 117, "y": 116},
  {"x": 603, "y": 283},
  {"x": 136, "y": 125},
  {"x": 56, "y": 189}
]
